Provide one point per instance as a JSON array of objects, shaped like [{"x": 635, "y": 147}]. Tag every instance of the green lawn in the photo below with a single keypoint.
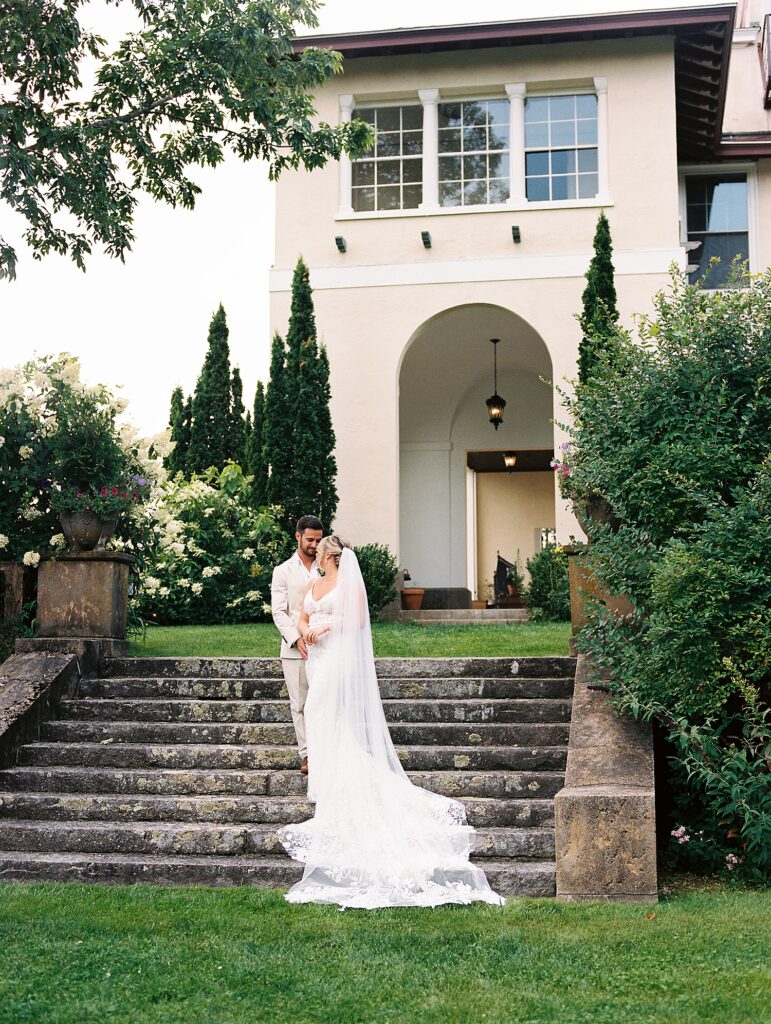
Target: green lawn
[
  {"x": 88, "y": 954},
  {"x": 391, "y": 640}
]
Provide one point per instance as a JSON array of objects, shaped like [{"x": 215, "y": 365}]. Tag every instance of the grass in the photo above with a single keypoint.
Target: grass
[
  {"x": 92, "y": 954},
  {"x": 391, "y": 640}
]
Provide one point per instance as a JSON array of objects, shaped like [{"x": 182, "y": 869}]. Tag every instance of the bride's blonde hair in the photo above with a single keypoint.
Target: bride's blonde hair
[{"x": 331, "y": 545}]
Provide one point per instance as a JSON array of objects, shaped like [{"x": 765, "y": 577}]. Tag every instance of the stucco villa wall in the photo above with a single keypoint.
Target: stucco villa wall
[
  {"x": 517, "y": 500},
  {"x": 372, "y": 300}
]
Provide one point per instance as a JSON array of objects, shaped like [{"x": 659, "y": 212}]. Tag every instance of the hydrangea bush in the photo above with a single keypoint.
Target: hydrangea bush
[{"x": 212, "y": 554}]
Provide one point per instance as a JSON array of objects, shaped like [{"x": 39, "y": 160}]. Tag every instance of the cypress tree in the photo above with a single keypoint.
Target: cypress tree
[
  {"x": 277, "y": 430},
  {"x": 237, "y": 422},
  {"x": 312, "y": 484},
  {"x": 255, "y": 453},
  {"x": 175, "y": 461},
  {"x": 600, "y": 314},
  {"x": 209, "y": 435}
]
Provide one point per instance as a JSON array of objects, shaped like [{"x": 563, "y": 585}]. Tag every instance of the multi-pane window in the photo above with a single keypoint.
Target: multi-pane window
[
  {"x": 716, "y": 217},
  {"x": 390, "y": 175},
  {"x": 473, "y": 152},
  {"x": 561, "y": 147}
]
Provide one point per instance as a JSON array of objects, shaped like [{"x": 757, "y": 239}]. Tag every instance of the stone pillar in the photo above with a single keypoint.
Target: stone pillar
[
  {"x": 83, "y": 594},
  {"x": 605, "y": 817},
  {"x": 430, "y": 100},
  {"x": 603, "y": 187},
  {"x": 16, "y": 588},
  {"x": 345, "y": 201},
  {"x": 516, "y": 94},
  {"x": 585, "y": 589}
]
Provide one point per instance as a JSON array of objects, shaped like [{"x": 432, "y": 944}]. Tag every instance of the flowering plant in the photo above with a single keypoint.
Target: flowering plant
[
  {"x": 59, "y": 438},
  {"x": 105, "y": 501},
  {"x": 211, "y": 554}
]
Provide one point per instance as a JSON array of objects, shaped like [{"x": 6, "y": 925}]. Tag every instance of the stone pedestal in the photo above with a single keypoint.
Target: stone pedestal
[
  {"x": 584, "y": 590},
  {"x": 83, "y": 594},
  {"x": 605, "y": 817},
  {"x": 16, "y": 588}
]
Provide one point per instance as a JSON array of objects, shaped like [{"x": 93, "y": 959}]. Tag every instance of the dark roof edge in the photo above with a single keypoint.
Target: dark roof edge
[
  {"x": 371, "y": 44},
  {"x": 744, "y": 144}
]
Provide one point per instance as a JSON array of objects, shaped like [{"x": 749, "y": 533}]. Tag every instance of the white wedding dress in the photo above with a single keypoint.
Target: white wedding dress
[{"x": 376, "y": 840}]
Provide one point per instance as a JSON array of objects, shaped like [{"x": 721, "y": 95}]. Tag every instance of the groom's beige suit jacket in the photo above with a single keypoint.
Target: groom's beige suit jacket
[{"x": 287, "y": 590}]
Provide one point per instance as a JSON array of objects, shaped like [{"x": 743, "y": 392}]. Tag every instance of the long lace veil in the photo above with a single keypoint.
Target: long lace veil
[{"x": 376, "y": 839}]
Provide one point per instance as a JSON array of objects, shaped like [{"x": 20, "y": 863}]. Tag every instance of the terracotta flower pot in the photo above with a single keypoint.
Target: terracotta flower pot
[
  {"x": 85, "y": 531},
  {"x": 412, "y": 598}
]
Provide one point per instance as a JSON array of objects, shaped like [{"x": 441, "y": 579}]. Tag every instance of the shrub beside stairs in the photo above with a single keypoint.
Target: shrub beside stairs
[{"x": 179, "y": 770}]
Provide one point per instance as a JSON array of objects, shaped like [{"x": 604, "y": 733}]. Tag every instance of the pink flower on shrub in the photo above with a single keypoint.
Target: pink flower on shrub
[
  {"x": 103, "y": 492},
  {"x": 681, "y": 835},
  {"x": 114, "y": 490},
  {"x": 732, "y": 860}
]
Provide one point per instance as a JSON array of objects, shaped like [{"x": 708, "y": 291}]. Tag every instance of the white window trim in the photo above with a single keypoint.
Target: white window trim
[
  {"x": 516, "y": 93},
  {"x": 751, "y": 170}
]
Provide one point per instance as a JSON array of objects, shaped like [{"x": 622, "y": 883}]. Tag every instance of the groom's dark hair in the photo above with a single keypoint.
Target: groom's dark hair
[{"x": 309, "y": 523}]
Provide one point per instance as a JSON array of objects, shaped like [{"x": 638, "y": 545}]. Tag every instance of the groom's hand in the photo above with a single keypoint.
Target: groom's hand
[{"x": 302, "y": 648}]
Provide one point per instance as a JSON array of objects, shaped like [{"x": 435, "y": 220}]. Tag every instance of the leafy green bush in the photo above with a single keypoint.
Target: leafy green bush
[
  {"x": 59, "y": 439},
  {"x": 548, "y": 593},
  {"x": 673, "y": 434},
  {"x": 213, "y": 553},
  {"x": 379, "y": 568}
]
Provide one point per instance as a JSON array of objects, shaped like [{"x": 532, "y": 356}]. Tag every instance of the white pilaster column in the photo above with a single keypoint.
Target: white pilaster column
[
  {"x": 603, "y": 187},
  {"x": 516, "y": 94},
  {"x": 345, "y": 205},
  {"x": 430, "y": 99}
]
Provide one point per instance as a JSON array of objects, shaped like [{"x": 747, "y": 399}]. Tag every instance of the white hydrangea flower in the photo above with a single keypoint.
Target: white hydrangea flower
[
  {"x": 2, "y": 441},
  {"x": 208, "y": 511},
  {"x": 152, "y": 583},
  {"x": 31, "y": 558},
  {"x": 184, "y": 583},
  {"x": 25, "y": 452},
  {"x": 31, "y": 512},
  {"x": 3, "y": 540},
  {"x": 177, "y": 547},
  {"x": 163, "y": 592},
  {"x": 253, "y": 595},
  {"x": 247, "y": 553},
  {"x": 266, "y": 609},
  {"x": 70, "y": 372},
  {"x": 58, "y": 540},
  {"x": 197, "y": 588}
]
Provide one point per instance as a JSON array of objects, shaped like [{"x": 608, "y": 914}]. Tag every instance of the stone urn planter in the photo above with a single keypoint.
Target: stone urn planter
[
  {"x": 85, "y": 531},
  {"x": 595, "y": 511},
  {"x": 412, "y": 598}
]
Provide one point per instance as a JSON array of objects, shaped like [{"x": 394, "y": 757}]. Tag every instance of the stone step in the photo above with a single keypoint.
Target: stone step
[
  {"x": 455, "y": 615},
  {"x": 255, "y": 809},
  {"x": 201, "y": 782},
  {"x": 258, "y": 710},
  {"x": 509, "y": 878},
  {"x": 274, "y": 689},
  {"x": 387, "y": 668},
  {"x": 215, "y": 756},
  {"x": 436, "y": 733},
  {"x": 174, "y": 838}
]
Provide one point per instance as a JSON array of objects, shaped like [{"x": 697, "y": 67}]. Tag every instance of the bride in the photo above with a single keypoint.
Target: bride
[{"x": 376, "y": 840}]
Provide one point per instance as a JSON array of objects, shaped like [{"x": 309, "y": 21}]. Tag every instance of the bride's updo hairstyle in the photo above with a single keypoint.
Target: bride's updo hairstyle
[{"x": 331, "y": 545}]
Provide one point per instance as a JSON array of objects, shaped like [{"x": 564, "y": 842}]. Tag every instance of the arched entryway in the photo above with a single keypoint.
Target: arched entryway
[{"x": 458, "y": 503}]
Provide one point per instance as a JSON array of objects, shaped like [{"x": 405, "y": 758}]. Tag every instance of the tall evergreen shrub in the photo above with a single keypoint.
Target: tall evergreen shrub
[
  {"x": 256, "y": 466},
  {"x": 237, "y": 419},
  {"x": 600, "y": 315},
  {"x": 212, "y": 418}
]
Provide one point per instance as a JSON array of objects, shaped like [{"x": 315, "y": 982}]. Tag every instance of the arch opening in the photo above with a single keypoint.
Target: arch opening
[{"x": 459, "y": 505}]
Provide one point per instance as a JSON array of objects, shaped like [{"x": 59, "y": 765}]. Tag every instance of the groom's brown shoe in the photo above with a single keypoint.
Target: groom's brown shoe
[{"x": 304, "y": 766}]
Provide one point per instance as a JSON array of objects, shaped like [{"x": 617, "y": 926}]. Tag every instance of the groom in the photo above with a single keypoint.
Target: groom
[{"x": 287, "y": 590}]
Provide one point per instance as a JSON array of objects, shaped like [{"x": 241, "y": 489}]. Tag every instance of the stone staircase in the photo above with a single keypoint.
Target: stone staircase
[
  {"x": 179, "y": 770},
  {"x": 465, "y": 616}
]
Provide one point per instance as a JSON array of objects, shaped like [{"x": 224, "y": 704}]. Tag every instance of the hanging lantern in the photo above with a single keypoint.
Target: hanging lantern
[
  {"x": 495, "y": 404},
  {"x": 509, "y": 460}
]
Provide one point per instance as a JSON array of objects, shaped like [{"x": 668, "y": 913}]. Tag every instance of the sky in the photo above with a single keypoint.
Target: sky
[{"x": 141, "y": 326}]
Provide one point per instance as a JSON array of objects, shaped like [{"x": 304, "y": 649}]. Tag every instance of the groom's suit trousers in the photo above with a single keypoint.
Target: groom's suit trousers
[{"x": 297, "y": 685}]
